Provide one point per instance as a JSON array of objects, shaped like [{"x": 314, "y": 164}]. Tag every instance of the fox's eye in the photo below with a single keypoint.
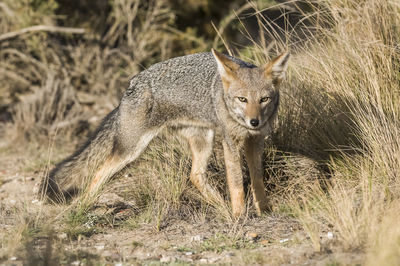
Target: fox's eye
[
  {"x": 264, "y": 99},
  {"x": 242, "y": 99}
]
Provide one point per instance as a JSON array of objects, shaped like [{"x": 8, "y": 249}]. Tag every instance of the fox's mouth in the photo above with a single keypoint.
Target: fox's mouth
[{"x": 253, "y": 129}]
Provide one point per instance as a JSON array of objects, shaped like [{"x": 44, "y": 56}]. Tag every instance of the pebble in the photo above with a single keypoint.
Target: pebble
[
  {"x": 107, "y": 253},
  {"x": 110, "y": 200},
  {"x": 62, "y": 236},
  {"x": 37, "y": 202},
  {"x": 167, "y": 259},
  {"x": 284, "y": 240},
  {"x": 13, "y": 258},
  {"x": 212, "y": 260},
  {"x": 196, "y": 238},
  {"x": 77, "y": 262},
  {"x": 329, "y": 235},
  {"x": 230, "y": 254},
  {"x": 99, "y": 247},
  {"x": 188, "y": 253}
]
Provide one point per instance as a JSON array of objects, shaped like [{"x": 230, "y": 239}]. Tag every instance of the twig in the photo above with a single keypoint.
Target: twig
[
  {"x": 223, "y": 40},
  {"x": 13, "y": 34}
]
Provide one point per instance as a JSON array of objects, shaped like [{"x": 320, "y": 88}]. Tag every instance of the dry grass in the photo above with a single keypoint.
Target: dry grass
[
  {"x": 342, "y": 103},
  {"x": 162, "y": 190},
  {"x": 72, "y": 75},
  {"x": 333, "y": 163}
]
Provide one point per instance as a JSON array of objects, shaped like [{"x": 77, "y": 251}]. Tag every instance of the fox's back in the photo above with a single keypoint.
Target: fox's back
[{"x": 184, "y": 85}]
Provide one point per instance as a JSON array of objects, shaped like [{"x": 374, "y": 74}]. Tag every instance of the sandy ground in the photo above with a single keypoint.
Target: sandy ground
[{"x": 269, "y": 240}]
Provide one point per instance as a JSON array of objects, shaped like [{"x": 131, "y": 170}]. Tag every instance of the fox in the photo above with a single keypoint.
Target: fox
[{"x": 197, "y": 96}]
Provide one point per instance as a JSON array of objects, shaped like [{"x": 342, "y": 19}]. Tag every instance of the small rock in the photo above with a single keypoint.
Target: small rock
[
  {"x": 188, "y": 253},
  {"x": 99, "y": 247},
  {"x": 118, "y": 264},
  {"x": 12, "y": 201},
  {"x": 329, "y": 235},
  {"x": 264, "y": 242},
  {"x": 213, "y": 260},
  {"x": 203, "y": 260},
  {"x": 115, "y": 256},
  {"x": 284, "y": 240},
  {"x": 196, "y": 238},
  {"x": 230, "y": 254},
  {"x": 36, "y": 188},
  {"x": 167, "y": 259},
  {"x": 35, "y": 201},
  {"x": 107, "y": 254},
  {"x": 62, "y": 236},
  {"x": 110, "y": 200},
  {"x": 111, "y": 255},
  {"x": 77, "y": 262},
  {"x": 13, "y": 258}
]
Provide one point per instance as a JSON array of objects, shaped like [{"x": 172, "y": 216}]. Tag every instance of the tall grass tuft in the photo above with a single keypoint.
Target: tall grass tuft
[
  {"x": 335, "y": 158},
  {"x": 341, "y": 108}
]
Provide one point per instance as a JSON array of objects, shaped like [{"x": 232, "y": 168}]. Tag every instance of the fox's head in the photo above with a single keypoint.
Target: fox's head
[{"x": 251, "y": 94}]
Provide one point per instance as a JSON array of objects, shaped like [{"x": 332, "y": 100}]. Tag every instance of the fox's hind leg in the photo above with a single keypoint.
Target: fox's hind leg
[
  {"x": 134, "y": 134},
  {"x": 119, "y": 159},
  {"x": 201, "y": 143}
]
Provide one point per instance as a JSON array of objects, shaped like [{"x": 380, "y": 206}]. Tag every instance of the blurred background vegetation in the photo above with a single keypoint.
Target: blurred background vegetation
[
  {"x": 71, "y": 71},
  {"x": 64, "y": 65}
]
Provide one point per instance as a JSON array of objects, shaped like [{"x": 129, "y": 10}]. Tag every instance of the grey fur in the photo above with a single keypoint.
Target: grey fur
[{"x": 185, "y": 93}]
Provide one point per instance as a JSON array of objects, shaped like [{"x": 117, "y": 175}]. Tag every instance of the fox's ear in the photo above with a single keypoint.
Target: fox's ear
[
  {"x": 226, "y": 67},
  {"x": 276, "y": 69}
]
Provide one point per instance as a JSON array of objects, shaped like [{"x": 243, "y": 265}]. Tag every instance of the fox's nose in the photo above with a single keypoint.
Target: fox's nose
[{"x": 254, "y": 122}]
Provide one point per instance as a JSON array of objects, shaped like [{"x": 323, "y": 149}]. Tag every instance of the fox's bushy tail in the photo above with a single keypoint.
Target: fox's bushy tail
[{"x": 72, "y": 175}]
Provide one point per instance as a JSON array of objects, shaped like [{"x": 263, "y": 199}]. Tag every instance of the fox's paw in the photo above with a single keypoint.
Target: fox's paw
[{"x": 262, "y": 207}]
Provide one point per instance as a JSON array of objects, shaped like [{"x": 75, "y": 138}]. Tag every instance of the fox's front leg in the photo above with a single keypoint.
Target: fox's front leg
[
  {"x": 234, "y": 177},
  {"x": 254, "y": 148}
]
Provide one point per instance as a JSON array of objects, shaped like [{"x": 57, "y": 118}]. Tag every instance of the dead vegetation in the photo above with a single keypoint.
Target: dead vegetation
[
  {"x": 331, "y": 167},
  {"x": 346, "y": 111}
]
